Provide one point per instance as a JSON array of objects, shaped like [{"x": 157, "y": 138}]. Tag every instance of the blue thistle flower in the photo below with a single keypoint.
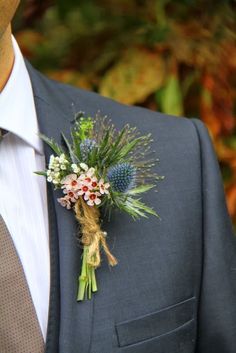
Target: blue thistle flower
[
  {"x": 121, "y": 177},
  {"x": 86, "y": 146}
]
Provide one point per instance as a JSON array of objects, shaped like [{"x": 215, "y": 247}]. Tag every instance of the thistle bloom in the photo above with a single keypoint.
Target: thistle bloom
[
  {"x": 122, "y": 177},
  {"x": 86, "y": 147}
]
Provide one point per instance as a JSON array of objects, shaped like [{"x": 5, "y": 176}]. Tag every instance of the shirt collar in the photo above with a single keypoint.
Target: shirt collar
[{"x": 18, "y": 114}]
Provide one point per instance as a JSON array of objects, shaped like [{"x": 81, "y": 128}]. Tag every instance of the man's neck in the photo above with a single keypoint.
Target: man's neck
[{"x": 6, "y": 57}]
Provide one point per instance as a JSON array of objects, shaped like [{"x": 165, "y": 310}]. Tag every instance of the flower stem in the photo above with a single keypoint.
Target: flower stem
[
  {"x": 87, "y": 279},
  {"x": 83, "y": 276},
  {"x": 94, "y": 282}
]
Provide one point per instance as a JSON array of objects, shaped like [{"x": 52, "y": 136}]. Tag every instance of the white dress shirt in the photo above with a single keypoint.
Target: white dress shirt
[{"x": 23, "y": 203}]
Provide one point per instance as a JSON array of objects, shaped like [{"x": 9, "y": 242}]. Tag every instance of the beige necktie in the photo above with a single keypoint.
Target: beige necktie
[{"x": 19, "y": 328}]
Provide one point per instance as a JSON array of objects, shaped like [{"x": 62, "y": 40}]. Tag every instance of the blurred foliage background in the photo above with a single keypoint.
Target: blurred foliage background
[{"x": 177, "y": 57}]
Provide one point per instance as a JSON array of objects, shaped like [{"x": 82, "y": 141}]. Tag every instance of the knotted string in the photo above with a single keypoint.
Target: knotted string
[{"x": 91, "y": 234}]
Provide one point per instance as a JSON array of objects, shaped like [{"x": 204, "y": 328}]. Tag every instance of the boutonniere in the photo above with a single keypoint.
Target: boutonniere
[{"x": 100, "y": 167}]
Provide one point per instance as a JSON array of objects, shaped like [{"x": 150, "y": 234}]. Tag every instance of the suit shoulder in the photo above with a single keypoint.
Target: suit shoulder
[{"x": 65, "y": 95}]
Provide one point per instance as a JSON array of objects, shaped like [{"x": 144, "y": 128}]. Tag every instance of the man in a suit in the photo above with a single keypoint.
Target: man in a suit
[{"x": 174, "y": 288}]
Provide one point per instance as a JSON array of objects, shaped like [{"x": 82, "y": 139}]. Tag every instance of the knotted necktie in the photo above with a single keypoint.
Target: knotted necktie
[{"x": 19, "y": 328}]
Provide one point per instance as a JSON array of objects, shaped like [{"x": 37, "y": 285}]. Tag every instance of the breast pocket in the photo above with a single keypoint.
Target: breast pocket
[{"x": 168, "y": 330}]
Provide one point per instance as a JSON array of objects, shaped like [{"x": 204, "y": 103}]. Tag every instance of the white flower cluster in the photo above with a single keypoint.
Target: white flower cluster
[
  {"x": 75, "y": 168},
  {"x": 56, "y": 166},
  {"x": 81, "y": 168}
]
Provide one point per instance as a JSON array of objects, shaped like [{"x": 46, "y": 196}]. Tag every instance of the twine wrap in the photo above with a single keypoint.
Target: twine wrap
[{"x": 91, "y": 234}]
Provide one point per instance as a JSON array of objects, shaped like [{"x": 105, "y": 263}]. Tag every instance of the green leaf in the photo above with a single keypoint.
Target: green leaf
[
  {"x": 104, "y": 142},
  {"x": 41, "y": 173},
  {"x": 119, "y": 138},
  {"x": 76, "y": 143},
  {"x": 140, "y": 189},
  {"x": 114, "y": 150},
  {"x": 125, "y": 150},
  {"x": 140, "y": 208},
  {"x": 73, "y": 157},
  {"x": 132, "y": 206},
  {"x": 92, "y": 158},
  {"x": 50, "y": 142}
]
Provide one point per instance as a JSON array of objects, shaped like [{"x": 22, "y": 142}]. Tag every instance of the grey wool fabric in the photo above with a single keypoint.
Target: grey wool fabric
[{"x": 174, "y": 288}]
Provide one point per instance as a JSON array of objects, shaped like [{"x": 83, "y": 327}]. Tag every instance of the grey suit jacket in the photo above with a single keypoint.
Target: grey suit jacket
[{"x": 174, "y": 289}]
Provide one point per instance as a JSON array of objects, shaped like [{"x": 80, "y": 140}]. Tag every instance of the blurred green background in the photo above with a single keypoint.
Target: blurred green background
[{"x": 177, "y": 57}]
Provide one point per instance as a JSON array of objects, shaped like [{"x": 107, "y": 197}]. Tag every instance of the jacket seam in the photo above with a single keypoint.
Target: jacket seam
[{"x": 194, "y": 122}]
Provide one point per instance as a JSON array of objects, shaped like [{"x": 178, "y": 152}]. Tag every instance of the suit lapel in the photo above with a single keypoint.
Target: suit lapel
[
  {"x": 73, "y": 327},
  {"x": 54, "y": 304}
]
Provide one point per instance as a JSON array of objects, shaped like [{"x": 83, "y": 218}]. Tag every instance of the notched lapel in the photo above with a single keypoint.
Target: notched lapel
[{"x": 75, "y": 318}]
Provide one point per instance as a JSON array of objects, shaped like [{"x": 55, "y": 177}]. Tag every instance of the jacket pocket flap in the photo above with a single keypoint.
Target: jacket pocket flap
[{"x": 154, "y": 324}]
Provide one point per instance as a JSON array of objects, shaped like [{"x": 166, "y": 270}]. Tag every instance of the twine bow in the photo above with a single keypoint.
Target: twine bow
[
  {"x": 91, "y": 234},
  {"x": 92, "y": 238}
]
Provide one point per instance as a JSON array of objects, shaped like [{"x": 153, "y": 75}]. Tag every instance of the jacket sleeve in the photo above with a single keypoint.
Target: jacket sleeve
[{"x": 217, "y": 303}]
